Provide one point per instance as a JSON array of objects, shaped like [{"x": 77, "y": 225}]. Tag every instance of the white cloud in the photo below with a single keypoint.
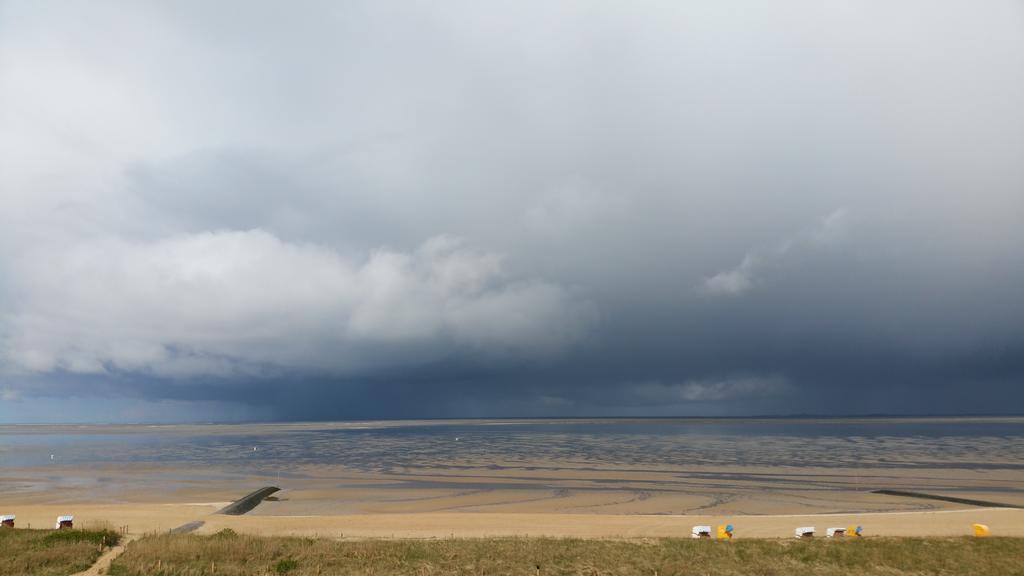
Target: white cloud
[
  {"x": 830, "y": 232},
  {"x": 735, "y": 281},
  {"x": 246, "y": 302}
]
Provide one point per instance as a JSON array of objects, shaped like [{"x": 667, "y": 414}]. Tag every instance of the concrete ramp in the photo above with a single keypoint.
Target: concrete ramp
[
  {"x": 188, "y": 528},
  {"x": 967, "y": 501},
  {"x": 247, "y": 502}
]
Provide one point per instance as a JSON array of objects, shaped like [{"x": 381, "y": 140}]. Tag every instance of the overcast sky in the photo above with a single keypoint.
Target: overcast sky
[{"x": 266, "y": 210}]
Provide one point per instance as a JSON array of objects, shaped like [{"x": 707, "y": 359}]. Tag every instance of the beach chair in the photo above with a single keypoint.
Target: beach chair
[
  {"x": 7, "y": 520},
  {"x": 65, "y": 522},
  {"x": 804, "y": 532},
  {"x": 854, "y": 531},
  {"x": 725, "y": 531},
  {"x": 701, "y": 532},
  {"x": 980, "y": 530}
]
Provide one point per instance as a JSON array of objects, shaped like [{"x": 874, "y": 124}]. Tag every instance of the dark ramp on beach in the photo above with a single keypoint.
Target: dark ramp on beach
[
  {"x": 188, "y": 528},
  {"x": 967, "y": 501},
  {"x": 247, "y": 502}
]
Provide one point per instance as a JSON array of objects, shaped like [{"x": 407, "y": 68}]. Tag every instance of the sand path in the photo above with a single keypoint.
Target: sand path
[{"x": 104, "y": 561}]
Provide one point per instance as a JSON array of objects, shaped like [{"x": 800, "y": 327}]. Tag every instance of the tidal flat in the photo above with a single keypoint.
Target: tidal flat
[{"x": 635, "y": 475}]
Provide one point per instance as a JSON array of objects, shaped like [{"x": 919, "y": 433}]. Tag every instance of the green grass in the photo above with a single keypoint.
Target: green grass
[
  {"x": 232, "y": 554},
  {"x": 50, "y": 552}
]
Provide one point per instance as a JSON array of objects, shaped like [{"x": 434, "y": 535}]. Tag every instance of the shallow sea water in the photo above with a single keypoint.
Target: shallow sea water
[{"x": 975, "y": 443}]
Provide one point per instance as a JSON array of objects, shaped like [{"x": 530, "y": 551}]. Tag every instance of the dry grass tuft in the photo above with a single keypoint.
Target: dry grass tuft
[
  {"x": 50, "y": 552},
  {"x": 232, "y": 554}
]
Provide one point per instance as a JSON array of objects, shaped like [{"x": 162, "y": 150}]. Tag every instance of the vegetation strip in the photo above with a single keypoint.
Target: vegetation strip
[
  {"x": 247, "y": 502},
  {"x": 25, "y": 552},
  {"x": 968, "y": 501},
  {"x": 229, "y": 554}
]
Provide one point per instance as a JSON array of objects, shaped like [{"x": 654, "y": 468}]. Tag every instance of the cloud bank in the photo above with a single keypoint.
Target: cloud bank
[
  {"x": 464, "y": 209},
  {"x": 245, "y": 303}
]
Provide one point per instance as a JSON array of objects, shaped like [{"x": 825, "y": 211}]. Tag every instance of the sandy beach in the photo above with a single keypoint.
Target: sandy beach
[{"x": 143, "y": 519}]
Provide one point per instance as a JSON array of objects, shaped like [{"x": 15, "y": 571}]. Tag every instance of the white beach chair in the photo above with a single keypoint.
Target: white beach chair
[
  {"x": 701, "y": 532},
  {"x": 804, "y": 532},
  {"x": 65, "y": 522},
  {"x": 835, "y": 532}
]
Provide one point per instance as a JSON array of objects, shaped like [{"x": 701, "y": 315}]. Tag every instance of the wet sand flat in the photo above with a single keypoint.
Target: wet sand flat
[
  {"x": 600, "y": 478},
  {"x": 533, "y": 487},
  {"x": 336, "y": 502}
]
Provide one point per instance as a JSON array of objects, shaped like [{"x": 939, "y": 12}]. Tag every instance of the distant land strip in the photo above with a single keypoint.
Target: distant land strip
[
  {"x": 247, "y": 502},
  {"x": 968, "y": 501}
]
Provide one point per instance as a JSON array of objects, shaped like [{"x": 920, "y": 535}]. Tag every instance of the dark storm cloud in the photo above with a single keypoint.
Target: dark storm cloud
[{"x": 373, "y": 209}]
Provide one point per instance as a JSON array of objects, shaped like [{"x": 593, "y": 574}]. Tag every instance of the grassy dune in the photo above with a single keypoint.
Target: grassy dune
[
  {"x": 50, "y": 552},
  {"x": 230, "y": 554}
]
